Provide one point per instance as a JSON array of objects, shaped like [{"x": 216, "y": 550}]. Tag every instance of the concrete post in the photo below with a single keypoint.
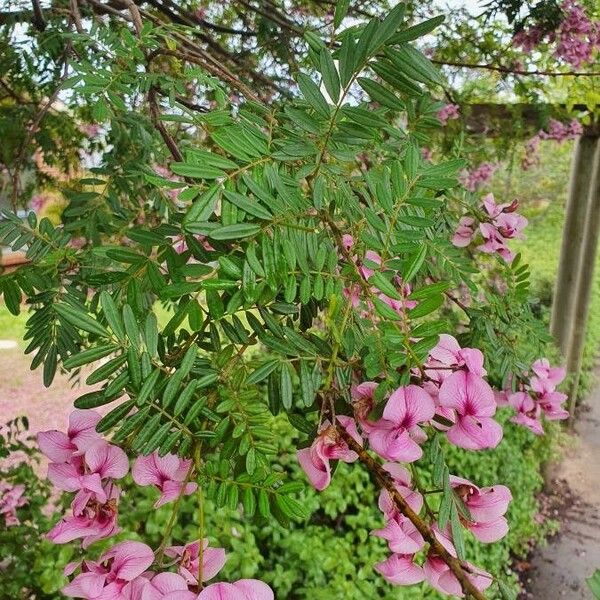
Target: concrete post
[
  {"x": 572, "y": 242},
  {"x": 585, "y": 279}
]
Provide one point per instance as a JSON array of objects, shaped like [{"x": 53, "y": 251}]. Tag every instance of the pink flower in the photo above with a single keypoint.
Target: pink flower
[
  {"x": 528, "y": 412},
  {"x": 11, "y": 498},
  {"x": 547, "y": 376},
  {"x": 402, "y": 483},
  {"x": 164, "y": 586},
  {"x": 188, "y": 558},
  {"x": 370, "y": 257},
  {"x": 511, "y": 225},
  {"x": 117, "y": 567},
  {"x": 399, "y": 569},
  {"x": 244, "y": 589},
  {"x": 168, "y": 473},
  {"x": 101, "y": 461},
  {"x": 439, "y": 576},
  {"x": 472, "y": 399},
  {"x": 327, "y": 446},
  {"x": 486, "y": 507},
  {"x": 464, "y": 232},
  {"x": 91, "y": 520},
  {"x": 401, "y": 535},
  {"x": 447, "y": 113},
  {"x": 448, "y": 353},
  {"x": 363, "y": 402},
  {"x": 81, "y": 434},
  {"x": 347, "y": 242},
  {"x": 476, "y": 177},
  {"x": 393, "y": 437}
]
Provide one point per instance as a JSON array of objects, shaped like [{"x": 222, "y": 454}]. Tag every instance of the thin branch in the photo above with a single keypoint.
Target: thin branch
[
  {"x": 513, "y": 71},
  {"x": 38, "y": 16},
  {"x": 385, "y": 480}
]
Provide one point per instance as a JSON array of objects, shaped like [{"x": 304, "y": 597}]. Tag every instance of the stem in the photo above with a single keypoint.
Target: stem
[
  {"x": 385, "y": 480},
  {"x": 197, "y": 461}
]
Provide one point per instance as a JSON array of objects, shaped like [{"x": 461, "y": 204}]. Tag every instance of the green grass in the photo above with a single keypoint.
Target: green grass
[{"x": 11, "y": 327}]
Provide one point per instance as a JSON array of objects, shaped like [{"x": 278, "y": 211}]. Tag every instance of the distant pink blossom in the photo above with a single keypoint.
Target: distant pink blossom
[
  {"x": 11, "y": 498},
  {"x": 327, "y": 446},
  {"x": 477, "y": 177},
  {"x": 447, "y": 113},
  {"x": 167, "y": 473}
]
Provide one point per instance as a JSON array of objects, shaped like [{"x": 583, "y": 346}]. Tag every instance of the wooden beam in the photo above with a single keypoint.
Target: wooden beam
[
  {"x": 571, "y": 253},
  {"x": 585, "y": 281}
]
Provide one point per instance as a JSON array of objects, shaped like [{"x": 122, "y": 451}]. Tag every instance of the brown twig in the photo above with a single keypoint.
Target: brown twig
[
  {"x": 386, "y": 482},
  {"x": 513, "y": 71}
]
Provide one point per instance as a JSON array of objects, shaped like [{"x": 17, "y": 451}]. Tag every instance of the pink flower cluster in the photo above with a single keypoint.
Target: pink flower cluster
[
  {"x": 449, "y": 112},
  {"x": 501, "y": 225},
  {"x": 557, "y": 131},
  {"x": 537, "y": 396},
  {"x": 366, "y": 271},
  {"x": 478, "y": 176},
  {"x": 84, "y": 463},
  {"x": 453, "y": 397},
  {"x": 123, "y": 573},
  {"x": 11, "y": 498},
  {"x": 577, "y": 36},
  {"x": 486, "y": 507}
]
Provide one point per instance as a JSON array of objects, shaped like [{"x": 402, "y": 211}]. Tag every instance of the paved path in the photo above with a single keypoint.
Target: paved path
[
  {"x": 560, "y": 569},
  {"x": 23, "y": 393}
]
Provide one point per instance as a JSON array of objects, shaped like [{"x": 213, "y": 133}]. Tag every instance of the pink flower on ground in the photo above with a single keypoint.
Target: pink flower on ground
[
  {"x": 464, "y": 232},
  {"x": 188, "y": 559},
  {"x": 399, "y": 569},
  {"x": 473, "y": 401},
  {"x": 395, "y": 437},
  {"x": 447, "y": 113},
  {"x": 244, "y": 589},
  {"x": 168, "y": 473},
  {"x": 11, "y": 498},
  {"x": 486, "y": 507},
  {"x": 402, "y": 482},
  {"x": 81, "y": 434},
  {"x": 327, "y": 446},
  {"x": 117, "y": 567},
  {"x": 91, "y": 520}
]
